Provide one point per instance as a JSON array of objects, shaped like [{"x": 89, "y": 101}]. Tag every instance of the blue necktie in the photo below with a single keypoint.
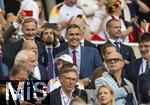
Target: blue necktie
[
  {"x": 50, "y": 65},
  {"x": 117, "y": 46}
]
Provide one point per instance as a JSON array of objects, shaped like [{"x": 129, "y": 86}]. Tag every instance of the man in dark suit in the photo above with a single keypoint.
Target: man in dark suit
[
  {"x": 29, "y": 28},
  {"x": 114, "y": 32},
  {"x": 140, "y": 65},
  {"x": 144, "y": 87},
  {"x": 85, "y": 43},
  {"x": 86, "y": 58},
  {"x": 65, "y": 93}
]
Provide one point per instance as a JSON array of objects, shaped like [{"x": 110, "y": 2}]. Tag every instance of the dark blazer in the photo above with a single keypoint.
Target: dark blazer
[
  {"x": 90, "y": 60},
  {"x": 42, "y": 58},
  {"x": 41, "y": 50},
  {"x": 54, "y": 98},
  {"x": 126, "y": 51},
  {"x": 64, "y": 46},
  {"x": 132, "y": 72},
  {"x": 144, "y": 87},
  {"x": 43, "y": 72}
]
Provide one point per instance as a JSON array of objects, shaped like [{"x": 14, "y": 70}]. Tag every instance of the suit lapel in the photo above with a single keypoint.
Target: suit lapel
[{"x": 82, "y": 60}]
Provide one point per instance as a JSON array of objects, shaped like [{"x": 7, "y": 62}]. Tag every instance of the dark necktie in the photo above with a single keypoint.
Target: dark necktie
[
  {"x": 50, "y": 65},
  {"x": 147, "y": 67},
  {"x": 117, "y": 46},
  {"x": 74, "y": 57}
]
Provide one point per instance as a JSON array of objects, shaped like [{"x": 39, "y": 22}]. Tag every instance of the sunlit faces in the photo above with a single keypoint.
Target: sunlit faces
[
  {"x": 48, "y": 36},
  {"x": 69, "y": 80},
  {"x": 73, "y": 37},
  {"x": 114, "y": 62},
  {"x": 144, "y": 48},
  {"x": 114, "y": 29},
  {"x": 105, "y": 96},
  {"x": 70, "y": 3},
  {"x": 29, "y": 30}
]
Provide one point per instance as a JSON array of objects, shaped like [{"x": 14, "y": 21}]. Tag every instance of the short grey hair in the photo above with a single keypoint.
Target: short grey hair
[{"x": 21, "y": 57}]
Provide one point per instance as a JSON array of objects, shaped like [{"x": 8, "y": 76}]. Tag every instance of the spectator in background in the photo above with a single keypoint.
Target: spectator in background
[
  {"x": 77, "y": 101},
  {"x": 39, "y": 71},
  {"x": 113, "y": 8},
  {"x": 106, "y": 96},
  {"x": 62, "y": 13},
  {"x": 32, "y": 6},
  {"x": 139, "y": 66},
  {"x": 55, "y": 82},
  {"x": 3, "y": 68}
]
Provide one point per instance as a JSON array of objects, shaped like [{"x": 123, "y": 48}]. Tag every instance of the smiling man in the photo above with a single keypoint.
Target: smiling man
[{"x": 85, "y": 58}]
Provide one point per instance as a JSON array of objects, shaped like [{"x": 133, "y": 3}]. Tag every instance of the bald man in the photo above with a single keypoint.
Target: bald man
[{"x": 123, "y": 89}]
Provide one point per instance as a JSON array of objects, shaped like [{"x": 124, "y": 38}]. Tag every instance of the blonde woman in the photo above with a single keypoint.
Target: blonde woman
[{"x": 105, "y": 95}]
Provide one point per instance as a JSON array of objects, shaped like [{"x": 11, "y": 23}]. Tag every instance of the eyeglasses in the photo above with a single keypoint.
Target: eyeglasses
[
  {"x": 71, "y": 79},
  {"x": 113, "y": 60}
]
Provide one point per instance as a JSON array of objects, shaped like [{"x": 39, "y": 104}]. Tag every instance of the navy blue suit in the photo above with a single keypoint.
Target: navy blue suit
[
  {"x": 90, "y": 60},
  {"x": 126, "y": 51}
]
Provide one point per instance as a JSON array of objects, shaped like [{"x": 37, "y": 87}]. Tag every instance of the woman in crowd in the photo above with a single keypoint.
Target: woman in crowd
[{"x": 106, "y": 96}]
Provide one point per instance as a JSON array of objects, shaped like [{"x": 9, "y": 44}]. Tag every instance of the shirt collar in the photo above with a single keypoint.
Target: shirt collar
[{"x": 77, "y": 49}]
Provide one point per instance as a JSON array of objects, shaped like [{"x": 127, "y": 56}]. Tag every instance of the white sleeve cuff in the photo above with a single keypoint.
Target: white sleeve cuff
[{"x": 16, "y": 24}]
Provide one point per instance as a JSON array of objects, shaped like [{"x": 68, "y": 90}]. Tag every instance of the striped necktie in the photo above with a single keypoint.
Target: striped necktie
[{"x": 50, "y": 70}]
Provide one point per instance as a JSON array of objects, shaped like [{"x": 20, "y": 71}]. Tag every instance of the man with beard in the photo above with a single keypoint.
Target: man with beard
[{"x": 49, "y": 39}]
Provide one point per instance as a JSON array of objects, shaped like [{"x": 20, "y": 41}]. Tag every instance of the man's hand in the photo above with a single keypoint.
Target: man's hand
[{"x": 86, "y": 81}]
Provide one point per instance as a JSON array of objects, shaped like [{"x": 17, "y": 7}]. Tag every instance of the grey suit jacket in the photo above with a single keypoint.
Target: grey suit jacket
[
  {"x": 120, "y": 92},
  {"x": 90, "y": 60}
]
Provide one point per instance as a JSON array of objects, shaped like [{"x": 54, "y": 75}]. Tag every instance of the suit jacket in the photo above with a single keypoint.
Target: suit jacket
[
  {"x": 42, "y": 58},
  {"x": 132, "y": 72},
  {"x": 144, "y": 87},
  {"x": 54, "y": 98},
  {"x": 120, "y": 92},
  {"x": 64, "y": 46},
  {"x": 90, "y": 60},
  {"x": 126, "y": 51},
  {"x": 43, "y": 72}
]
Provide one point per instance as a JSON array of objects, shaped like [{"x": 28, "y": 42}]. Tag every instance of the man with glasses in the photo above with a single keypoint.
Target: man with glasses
[
  {"x": 140, "y": 65},
  {"x": 123, "y": 89},
  {"x": 63, "y": 95}
]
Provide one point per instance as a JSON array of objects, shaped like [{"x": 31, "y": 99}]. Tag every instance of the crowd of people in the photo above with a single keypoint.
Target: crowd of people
[{"x": 59, "y": 55}]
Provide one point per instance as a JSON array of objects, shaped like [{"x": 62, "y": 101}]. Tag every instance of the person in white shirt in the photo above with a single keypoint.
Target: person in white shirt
[{"x": 63, "y": 13}]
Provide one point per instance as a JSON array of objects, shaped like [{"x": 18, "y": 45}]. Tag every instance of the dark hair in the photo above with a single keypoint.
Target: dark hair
[
  {"x": 28, "y": 20},
  {"x": 105, "y": 46},
  {"x": 68, "y": 67},
  {"x": 72, "y": 26},
  {"x": 145, "y": 37}
]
